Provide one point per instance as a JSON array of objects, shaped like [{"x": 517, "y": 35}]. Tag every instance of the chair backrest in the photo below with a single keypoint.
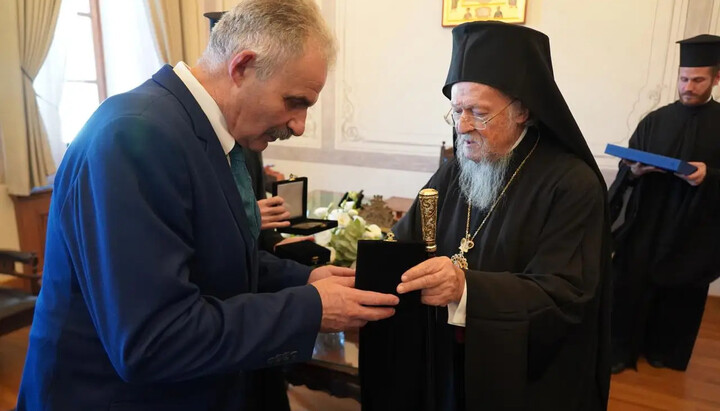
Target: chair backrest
[
  {"x": 17, "y": 306},
  {"x": 446, "y": 154}
]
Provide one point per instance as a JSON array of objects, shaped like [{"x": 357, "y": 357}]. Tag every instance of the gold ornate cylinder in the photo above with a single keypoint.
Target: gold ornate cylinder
[{"x": 428, "y": 217}]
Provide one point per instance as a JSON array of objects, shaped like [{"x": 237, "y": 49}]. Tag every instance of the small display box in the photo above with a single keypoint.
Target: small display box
[
  {"x": 304, "y": 252},
  {"x": 294, "y": 192},
  {"x": 651, "y": 159}
]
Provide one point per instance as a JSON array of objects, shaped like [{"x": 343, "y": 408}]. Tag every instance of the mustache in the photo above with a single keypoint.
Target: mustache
[
  {"x": 462, "y": 138},
  {"x": 280, "y": 133}
]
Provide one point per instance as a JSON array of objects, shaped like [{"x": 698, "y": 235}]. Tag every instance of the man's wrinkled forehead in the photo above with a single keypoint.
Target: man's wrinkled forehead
[{"x": 469, "y": 93}]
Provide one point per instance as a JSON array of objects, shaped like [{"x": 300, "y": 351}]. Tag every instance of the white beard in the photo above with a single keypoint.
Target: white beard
[{"x": 481, "y": 182}]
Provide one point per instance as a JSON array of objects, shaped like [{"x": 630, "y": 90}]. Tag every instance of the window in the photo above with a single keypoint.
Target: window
[
  {"x": 100, "y": 48},
  {"x": 84, "y": 84}
]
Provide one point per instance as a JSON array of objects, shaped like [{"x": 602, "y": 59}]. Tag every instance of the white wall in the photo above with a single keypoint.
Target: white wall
[
  {"x": 382, "y": 106},
  {"x": 126, "y": 41},
  {"x": 342, "y": 178},
  {"x": 379, "y": 125}
]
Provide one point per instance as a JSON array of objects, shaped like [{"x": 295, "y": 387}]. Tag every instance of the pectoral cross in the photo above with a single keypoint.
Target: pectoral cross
[
  {"x": 466, "y": 244},
  {"x": 459, "y": 259}
]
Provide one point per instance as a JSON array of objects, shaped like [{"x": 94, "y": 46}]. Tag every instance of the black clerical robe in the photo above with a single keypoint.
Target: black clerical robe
[
  {"x": 666, "y": 249},
  {"x": 537, "y": 324}
]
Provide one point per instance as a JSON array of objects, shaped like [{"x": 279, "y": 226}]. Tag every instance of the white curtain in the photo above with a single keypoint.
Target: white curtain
[
  {"x": 49, "y": 84},
  {"x": 36, "y": 25},
  {"x": 130, "y": 59},
  {"x": 130, "y": 53}
]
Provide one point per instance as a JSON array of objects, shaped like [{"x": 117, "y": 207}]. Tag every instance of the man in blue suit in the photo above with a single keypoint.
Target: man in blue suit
[{"x": 155, "y": 296}]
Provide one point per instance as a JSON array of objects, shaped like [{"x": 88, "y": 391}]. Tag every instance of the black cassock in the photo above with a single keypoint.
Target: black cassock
[
  {"x": 666, "y": 246},
  {"x": 535, "y": 336}
]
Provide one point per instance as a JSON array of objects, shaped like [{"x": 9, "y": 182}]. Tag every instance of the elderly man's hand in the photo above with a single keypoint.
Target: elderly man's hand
[
  {"x": 439, "y": 279},
  {"x": 328, "y": 271},
  {"x": 273, "y": 213},
  {"x": 696, "y": 178},
  {"x": 345, "y": 307}
]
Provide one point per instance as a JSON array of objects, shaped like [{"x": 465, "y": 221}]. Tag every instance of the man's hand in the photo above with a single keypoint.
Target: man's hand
[
  {"x": 345, "y": 307},
  {"x": 696, "y": 178},
  {"x": 329, "y": 271},
  {"x": 273, "y": 213},
  {"x": 439, "y": 279},
  {"x": 639, "y": 169}
]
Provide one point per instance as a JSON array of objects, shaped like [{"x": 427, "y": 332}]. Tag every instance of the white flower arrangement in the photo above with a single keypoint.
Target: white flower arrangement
[{"x": 342, "y": 240}]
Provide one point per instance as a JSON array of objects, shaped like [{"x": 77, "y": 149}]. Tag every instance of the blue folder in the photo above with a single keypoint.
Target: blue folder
[{"x": 666, "y": 163}]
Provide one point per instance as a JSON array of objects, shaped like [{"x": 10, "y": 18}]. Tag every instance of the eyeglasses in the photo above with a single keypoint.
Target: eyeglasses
[{"x": 478, "y": 122}]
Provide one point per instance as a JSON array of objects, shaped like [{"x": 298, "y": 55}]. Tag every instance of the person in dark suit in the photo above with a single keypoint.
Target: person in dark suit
[
  {"x": 155, "y": 295},
  {"x": 273, "y": 213},
  {"x": 270, "y": 386}
]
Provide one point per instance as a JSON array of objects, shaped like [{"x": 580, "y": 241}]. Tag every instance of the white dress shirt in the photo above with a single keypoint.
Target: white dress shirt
[{"x": 208, "y": 106}]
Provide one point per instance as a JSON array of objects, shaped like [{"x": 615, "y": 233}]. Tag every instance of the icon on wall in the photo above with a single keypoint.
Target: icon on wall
[{"x": 460, "y": 11}]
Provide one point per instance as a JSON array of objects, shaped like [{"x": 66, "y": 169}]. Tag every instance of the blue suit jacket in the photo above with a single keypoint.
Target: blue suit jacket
[{"x": 152, "y": 294}]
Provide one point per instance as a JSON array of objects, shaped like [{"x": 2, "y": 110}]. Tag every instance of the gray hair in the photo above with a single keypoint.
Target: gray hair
[{"x": 277, "y": 30}]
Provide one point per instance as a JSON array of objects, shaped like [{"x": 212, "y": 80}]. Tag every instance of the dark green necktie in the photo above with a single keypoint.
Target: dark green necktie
[{"x": 244, "y": 186}]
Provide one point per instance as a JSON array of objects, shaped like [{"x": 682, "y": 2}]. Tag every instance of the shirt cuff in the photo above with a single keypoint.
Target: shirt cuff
[{"x": 456, "y": 311}]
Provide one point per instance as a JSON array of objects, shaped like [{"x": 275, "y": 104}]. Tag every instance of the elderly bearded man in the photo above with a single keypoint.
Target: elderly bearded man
[
  {"x": 155, "y": 296},
  {"x": 523, "y": 232}
]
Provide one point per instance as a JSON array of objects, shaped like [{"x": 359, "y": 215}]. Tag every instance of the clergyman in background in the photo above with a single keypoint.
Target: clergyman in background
[{"x": 666, "y": 232}]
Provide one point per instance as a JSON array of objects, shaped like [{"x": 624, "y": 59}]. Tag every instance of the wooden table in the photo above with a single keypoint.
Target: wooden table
[{"x": 333, "y": 368}]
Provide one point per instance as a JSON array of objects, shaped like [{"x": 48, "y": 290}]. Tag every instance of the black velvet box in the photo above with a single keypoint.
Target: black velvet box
[
  {"x": 393, "y": 358},
  {"x": 304, "y": 252},
  {"x": 294, "y": 192},
  {"x": 380, "y": 264}
]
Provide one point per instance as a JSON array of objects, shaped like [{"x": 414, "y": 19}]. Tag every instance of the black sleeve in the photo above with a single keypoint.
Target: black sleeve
[
  {"x": 409, "y": 227},
  {"x": 624, "y": 179},
  {"x": 529, "y": 313}
]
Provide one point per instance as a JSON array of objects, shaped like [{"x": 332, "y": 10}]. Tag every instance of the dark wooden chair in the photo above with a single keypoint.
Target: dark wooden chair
[
  {"x": 17, "y": 306},
  {"x": 446, "y": 154}
]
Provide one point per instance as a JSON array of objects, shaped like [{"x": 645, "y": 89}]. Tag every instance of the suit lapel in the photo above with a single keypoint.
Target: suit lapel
[{"x": 166, "y": 78}]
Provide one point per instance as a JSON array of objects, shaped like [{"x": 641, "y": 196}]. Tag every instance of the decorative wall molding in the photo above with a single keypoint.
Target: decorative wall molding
[
  {"x": 351, "y": 132},
  {"x": 714, "y": 28},
  {"x": 354, "y": 131},
  {"x": 348, "y": 129},
  {"x": 312, "y": 137},
  {"x": 699, "y": 17},
  {"x": 660, "y": 86},
  {"x": 673, "y": 21},
  {"x": 336, "y": 137}
]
